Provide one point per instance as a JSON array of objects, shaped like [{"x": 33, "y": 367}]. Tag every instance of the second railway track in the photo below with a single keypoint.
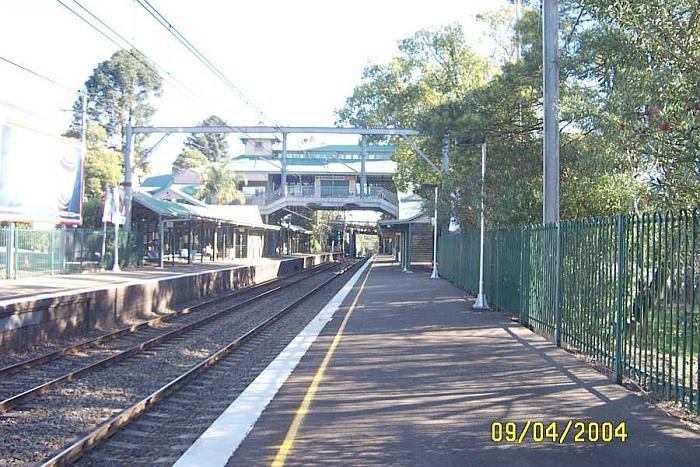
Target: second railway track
[
  {"x": 22, "y": 381},
  {"x": 32, "y": 428}
]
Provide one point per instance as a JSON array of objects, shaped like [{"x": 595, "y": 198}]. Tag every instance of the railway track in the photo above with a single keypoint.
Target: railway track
[
  {"x": 102, "y": 393},
  {"x": 25, "y": 380}
]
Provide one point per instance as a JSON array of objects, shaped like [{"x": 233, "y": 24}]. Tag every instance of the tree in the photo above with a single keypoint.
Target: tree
[
  {"x": 92, "y": 213},
  {"x": 439, "y": 86},
  {"x": 213, "y": 145},
  {"x": 221, "y": 185},
  {"x": 122, "y": 85},
  {"x": 644, "y": 59},
  {"x": 189, "y": 158},
  {"x": 103, "y": 166}
]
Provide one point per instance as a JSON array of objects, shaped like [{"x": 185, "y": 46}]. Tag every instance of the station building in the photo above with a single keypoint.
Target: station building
[
  {"x": 410, "y": 237},
  {"x": 332, "y": 177}
]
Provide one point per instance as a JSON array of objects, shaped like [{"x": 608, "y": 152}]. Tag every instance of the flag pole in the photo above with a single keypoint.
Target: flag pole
[{"x": 105, "y": 218}]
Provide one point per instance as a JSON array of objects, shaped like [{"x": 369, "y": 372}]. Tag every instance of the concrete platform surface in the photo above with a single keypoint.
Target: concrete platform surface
[
  {"x": 66, "y": 283},
  {"x": 418, "y": 378}
]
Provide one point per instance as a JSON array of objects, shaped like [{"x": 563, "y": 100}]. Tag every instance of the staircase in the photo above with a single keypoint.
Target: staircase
[{"x": 421, "y": 248}]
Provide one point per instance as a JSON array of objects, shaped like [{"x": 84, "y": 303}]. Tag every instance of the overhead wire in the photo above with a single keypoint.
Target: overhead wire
[
  {"x": 181, "y": 87},
  {"x": 178, "y": 85},
  {"x": 165, "y": 23},
  {"x": 186, "y": 91},
  {"x": 39, "y": 75},
  {"x": 134, "y": 47}
]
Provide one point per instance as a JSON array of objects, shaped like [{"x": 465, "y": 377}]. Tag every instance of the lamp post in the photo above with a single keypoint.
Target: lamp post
[
  {"x": 434, "y": 274},
  {"x": 481, "y": 303}
]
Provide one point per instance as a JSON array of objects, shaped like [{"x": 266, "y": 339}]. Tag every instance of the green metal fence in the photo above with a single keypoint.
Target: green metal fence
[
  {"x": 28, "y": 252},
  {"x": 626, "y": 288}
]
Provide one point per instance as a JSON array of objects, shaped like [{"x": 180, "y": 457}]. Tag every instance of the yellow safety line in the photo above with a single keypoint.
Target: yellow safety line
[{"x": 303, "y": 409}]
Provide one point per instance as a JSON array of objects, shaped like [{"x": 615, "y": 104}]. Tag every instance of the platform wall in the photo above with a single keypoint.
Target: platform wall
[{"x": 31, "y": 322}]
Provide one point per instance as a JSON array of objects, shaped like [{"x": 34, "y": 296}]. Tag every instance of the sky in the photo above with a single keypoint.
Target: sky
[{"x": 294, "y": 61}]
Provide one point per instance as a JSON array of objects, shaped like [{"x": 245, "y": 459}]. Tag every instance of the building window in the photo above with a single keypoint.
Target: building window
[{"x": 258, "y": 145}]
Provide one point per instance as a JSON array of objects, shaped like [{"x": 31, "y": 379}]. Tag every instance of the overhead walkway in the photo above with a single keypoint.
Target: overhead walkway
[
  {"x": 376, "y": 199},
  {"x": 416, "y": 377}
]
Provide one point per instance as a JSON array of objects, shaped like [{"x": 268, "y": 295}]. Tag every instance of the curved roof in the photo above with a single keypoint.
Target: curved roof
[{"x": 242, "y": 215}]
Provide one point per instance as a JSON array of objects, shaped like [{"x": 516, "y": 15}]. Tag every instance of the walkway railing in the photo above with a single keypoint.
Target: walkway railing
[
  {"x": 306, "y": 191},
  {"x": 627, "y": 288},
  {"x": 59, "y": 251}
]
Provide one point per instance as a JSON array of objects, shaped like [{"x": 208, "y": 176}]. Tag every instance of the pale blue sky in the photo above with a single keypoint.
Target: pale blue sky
[{"x": 296, "y": 60}]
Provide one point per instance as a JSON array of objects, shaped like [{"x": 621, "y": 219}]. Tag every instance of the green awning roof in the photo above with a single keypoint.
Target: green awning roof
[
  {"x": 390, "y": 224},
  {"x": 162, "y": 208},
  {"x": 236, "y": 215}
]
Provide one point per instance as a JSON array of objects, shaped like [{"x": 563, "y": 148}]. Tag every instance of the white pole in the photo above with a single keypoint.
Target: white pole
[
  {"x": 115, "y": 268},
  {"x": 481, "y": 303},
  {"x": 434, "y": 275},
  {"x": 104, "y": 243}
]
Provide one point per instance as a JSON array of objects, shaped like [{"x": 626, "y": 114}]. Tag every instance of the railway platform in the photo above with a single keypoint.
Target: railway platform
[
  {"x": 406, "y": 373},
  {"x": 36, "y": 309}
]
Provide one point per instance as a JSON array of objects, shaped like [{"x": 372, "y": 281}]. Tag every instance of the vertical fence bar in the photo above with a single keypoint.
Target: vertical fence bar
[
  {"x": 696, "y": 329},
  {"x": 685, "y": 309},
  {"x": 626, "y": 289},
  {"x": 620, "y": 297}
]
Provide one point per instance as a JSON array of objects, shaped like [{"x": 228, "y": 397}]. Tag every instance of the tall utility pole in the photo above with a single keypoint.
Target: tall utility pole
[
  {"x": 128, "y": 173},
  {"x": 550, "y": 20},
  {"x": 518, "y": 38},
  {"x": 550, "y": 23},
  {"x": 83, "y": 117}
]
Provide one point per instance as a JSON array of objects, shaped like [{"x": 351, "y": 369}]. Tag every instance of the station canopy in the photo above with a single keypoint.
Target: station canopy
[{"x": 241, "y": 215}]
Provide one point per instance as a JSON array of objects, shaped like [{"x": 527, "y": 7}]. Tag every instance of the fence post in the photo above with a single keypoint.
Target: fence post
[
  {"x": 523, "y": 284},
  {"x": 10, "y": 251},
  {"x": 621, "y": 266},
  {"x": 692, "y": 307},
  {"x": 51, "y": 252},
  {"x": 62, "y": 246},
  {"x": 558, "y": 273}
]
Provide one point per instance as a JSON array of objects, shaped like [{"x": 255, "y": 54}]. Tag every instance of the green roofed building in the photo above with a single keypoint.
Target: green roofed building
[{"x": 410, "y": 237}]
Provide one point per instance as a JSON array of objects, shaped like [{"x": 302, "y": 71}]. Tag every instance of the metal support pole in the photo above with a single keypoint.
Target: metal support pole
[
  {"x": 215, "y": 249},
  {"x": 189, "y": 242},
  {"x": 283, "y": 176},
  {"x": 363, "y": 170},
  {"x": 173, "y": 231},
  {"x": 551, "y": 110},
  {"x": 481, "y": 303},
  {"x": 127, "y": 174},
  {"x": 409, "y": 256},
  {"x": 161, "y": 241},
  {"x": 434, "y": 274}
]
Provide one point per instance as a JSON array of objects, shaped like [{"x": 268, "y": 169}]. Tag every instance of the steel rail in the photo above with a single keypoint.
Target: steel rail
[
  {"x": 43, "y": 388},
  {"x": 35, "y": 361},
  {"x": 106, "y": 429}
]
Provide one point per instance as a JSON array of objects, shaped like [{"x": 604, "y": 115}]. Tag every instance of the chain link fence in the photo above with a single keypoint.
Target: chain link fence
[{"x": 28, "y": 252}]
